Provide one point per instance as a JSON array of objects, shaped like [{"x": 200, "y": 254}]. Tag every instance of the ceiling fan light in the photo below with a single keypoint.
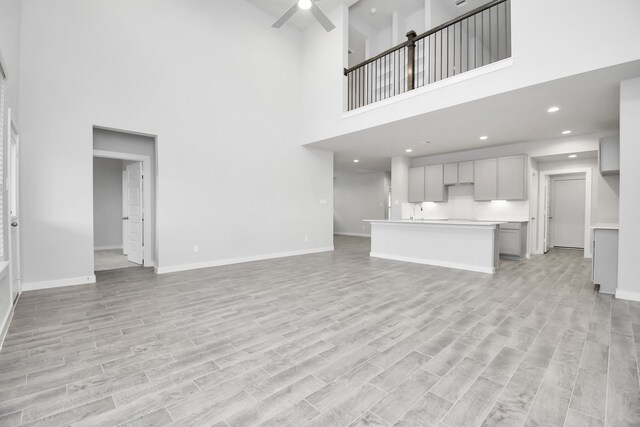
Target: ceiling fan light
[{"x": 304, "y": 4}]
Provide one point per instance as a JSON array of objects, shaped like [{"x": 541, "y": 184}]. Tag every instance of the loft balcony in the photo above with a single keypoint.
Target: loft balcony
[{"x": 471, "y": 41}]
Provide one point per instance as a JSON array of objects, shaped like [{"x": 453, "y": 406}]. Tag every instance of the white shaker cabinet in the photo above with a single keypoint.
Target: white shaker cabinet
[
  {"x": 416, "y": 185},
  {"x": 485, "y": 179},
  {"x": 450, "y": 174},
  {"x": 609, "y": 155},
  {"x": 465, "y": 173},
  {"x": 434, "y": 184},
  {"x": 511, "y": 178}
]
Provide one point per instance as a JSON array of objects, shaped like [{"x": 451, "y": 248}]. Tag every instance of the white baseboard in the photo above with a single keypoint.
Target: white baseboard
[
  {"x": 4, "y": 329},
  {"x": 351, "y": 234},
  {"x": 476, "y": 268},
  {"x": 107, "y": 248},
  {"x": 627, "y": 295},
  {"x": 48, "y": 284},
  {"x": 229, "y": 261}
]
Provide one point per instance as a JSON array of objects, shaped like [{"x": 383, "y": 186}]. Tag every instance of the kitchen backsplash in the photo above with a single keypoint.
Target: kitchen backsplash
[{"x": 461, "y": 205}]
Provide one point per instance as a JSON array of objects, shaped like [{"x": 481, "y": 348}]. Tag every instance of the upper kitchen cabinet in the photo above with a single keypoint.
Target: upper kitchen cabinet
[
  {"x": 416, "y": 185},
  {"x": 434, "y": 184},
  {"x": 485, "y": 179},
  {"x": 450, "y": 174},
  {"x": 609, "y": 155},
  {"x": 458, "y": 173},
  {"x": 511, "y": 178},
  {"x": 465, "y": 173}
]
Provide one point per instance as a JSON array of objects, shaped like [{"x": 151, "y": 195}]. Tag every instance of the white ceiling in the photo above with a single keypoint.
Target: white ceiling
[
  {"x": 302, "y": 18},
  {"x": 589, "y": 103},
  {"x": 384, "y": 11}
]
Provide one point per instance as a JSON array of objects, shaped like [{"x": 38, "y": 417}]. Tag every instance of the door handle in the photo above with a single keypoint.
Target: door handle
[
  {"x": 14, "y": 224},
  {"x": 125, "y": 218}
]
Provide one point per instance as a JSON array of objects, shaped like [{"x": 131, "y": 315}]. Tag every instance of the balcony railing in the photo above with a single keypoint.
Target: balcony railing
[{"x": 477, "y": 38}]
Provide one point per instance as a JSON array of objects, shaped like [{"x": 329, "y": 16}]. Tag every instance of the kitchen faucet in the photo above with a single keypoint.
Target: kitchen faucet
[{"x": 414, "y": 209}]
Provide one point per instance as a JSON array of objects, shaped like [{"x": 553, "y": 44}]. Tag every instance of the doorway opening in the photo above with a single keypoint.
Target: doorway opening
[
  {"x": 123, "y": 200},
  {"x": 566, "y": 205}
]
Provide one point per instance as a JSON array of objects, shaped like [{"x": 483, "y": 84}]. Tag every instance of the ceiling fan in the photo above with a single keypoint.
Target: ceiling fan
[{"x": 306, "y": 5}]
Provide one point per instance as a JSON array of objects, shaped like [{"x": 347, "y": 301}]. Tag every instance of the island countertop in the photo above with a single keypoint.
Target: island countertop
[
  {"x": 462, "y": 244},
  {"x": 465, "y": 222}
]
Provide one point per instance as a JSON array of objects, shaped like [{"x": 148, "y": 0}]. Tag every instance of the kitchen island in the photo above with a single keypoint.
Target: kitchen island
[{"x": 462, "y": 244}]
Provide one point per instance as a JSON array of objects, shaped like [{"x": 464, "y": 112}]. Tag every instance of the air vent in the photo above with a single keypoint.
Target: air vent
[{"x": 460, "y": 2}]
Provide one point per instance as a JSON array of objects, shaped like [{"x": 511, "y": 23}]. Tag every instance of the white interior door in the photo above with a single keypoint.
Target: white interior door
[
  {"x": 13, "y": 174},
  {"x": 547, "y": 214},
  {"x": 125, "y": 213},
  {"x": 135, "y": 212},
  {"x": 533, "y": 214},
  {"x": 568, "y": 205}
]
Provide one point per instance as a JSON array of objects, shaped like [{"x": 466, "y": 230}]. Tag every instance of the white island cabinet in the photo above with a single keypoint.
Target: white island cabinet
[
  {"x": 605, "y": 257},
  {"x": 461, "y": 244}
]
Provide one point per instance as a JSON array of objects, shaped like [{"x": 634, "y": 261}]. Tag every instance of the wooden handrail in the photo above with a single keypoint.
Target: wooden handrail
[{"x": 425, "y": 34}]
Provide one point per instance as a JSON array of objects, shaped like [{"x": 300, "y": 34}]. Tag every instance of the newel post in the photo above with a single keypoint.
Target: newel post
[{"x": 411, "y": 59}]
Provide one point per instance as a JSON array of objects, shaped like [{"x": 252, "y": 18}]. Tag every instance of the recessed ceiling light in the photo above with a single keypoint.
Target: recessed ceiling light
[
  {"x": 356, "y": 161},
  {"x": 304, "y": 4},
  {"x": 573, "y": 156},
  {"x": 484, "y": 138},
  {"x": 408, "y": 150},
  {"x": 553, "y": 109},
  {"x": 566, "y": 132}
]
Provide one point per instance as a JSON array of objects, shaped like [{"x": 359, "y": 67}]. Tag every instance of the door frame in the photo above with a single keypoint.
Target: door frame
[
  {"x": 553, "y": 182},
  {"x": 542, "y": 232},
  {"x": 147, "y": 206},
  {"x": 12, "y": 129}
]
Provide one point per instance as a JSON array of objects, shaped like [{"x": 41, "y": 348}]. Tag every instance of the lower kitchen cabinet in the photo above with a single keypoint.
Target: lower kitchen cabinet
[
  {"x": 605, "y": 258},
  {"x": 513, "y": 240}
]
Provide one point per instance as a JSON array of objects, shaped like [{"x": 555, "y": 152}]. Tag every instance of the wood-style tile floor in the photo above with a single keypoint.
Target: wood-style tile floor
[{"x": 332, "y": 339}]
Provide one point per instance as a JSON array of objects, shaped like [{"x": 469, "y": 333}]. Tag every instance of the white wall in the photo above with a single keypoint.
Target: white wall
[
  {"x": 399, "y": 185},
  {"x": 541, "y": 39},
  {"x": 629, "y": 244},
  {"x": 232, "y": 176},
  {"x": 357, "y": 197},
  {"x": 536, "y": 148},
  {"x": 107, "y": 203},
  {"x": 10, "y": 57}
]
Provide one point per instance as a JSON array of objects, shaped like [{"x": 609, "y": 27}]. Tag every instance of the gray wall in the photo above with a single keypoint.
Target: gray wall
[
  {"x": 232, "y": 176},
  {"x": 107, "y": 203},
  {"x": 357, "y": 197}
]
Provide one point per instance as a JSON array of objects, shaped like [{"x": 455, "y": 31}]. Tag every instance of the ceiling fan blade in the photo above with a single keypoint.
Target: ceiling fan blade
[
  {"x": 321, "y": 17},
  {"x": 288, "y": 14}
]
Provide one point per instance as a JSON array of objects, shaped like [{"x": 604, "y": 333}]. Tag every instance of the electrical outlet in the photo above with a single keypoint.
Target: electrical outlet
[
  {"x": 196, "y": 248},
  {"x": 323, "y": 201},
  {"x": 306, "y": 238}
]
